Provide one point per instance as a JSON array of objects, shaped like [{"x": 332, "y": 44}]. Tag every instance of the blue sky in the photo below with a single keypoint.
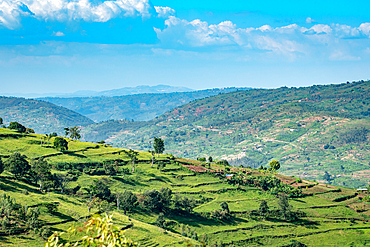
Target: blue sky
[{"x": 68, "y": 45}]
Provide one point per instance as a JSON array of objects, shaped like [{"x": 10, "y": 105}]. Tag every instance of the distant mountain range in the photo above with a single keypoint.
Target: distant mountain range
[
  {"x": 138, "y": 107},
  {"x": 108, "y": 93},
  {"x": 43, "y": 117}
]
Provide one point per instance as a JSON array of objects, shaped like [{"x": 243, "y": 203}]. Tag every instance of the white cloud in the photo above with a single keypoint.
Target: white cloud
[
  {"x": 345, "y": 31},
  {"x": 164, "y": 12},
  {"x": 309, "y": 20},
  {"x": 365, "y": 28},
  {"x": 10, "y": 13},
  {"x": 342, "y": 56},
  {"x": 291, "y": 41},
  {"x": 69, "y": 10},
  {"x": 58, "y": 34}
]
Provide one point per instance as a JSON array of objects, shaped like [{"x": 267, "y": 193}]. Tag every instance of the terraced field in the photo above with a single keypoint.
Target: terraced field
[{"x": 328, "y": 215}]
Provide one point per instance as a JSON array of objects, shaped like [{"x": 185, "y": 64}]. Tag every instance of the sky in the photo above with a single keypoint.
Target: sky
[{"x": 63, "y": 46}]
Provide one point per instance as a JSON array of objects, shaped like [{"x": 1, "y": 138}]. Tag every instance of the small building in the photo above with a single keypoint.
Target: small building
[
  {"x": 362, "y": 190},
  {"x": 229, "y": 176}
]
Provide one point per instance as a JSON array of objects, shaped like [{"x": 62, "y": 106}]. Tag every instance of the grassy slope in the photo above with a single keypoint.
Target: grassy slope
[
  {"x": 140, "y": 107},
  {"x": 41, "y": 116},
  {"x": 328, "y": 223},
  {"x": 253, "y": 127}
]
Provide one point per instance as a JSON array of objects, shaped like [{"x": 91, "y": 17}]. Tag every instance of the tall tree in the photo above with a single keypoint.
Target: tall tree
[
  {"x": 158, "y": 146},
  {"x": 133, "y": 157},
  {"x": 128, "y": 200},
  {"x": 17, "y": 164},
  {"x": 285, "y": 208},
  {"x": 66, "y": 132},
  {"x": 1, "y": 120},
  {"x": 62, "y": 180},
  {"x": 74, "y": 133},
  {"x": 40, "y": 171},
  {"x": 153, "y": 157}
]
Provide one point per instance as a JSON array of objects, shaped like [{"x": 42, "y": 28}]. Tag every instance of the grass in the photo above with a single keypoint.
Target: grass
[{"x": 326, "y": 223}]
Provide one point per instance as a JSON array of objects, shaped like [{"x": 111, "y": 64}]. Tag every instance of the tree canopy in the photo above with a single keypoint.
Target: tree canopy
[
  {"x": 61, "y": 144},
  {"x": 17, "y": 126},
  {"x": 158, "y": 145},
  {"x": 17, "y": 164}
]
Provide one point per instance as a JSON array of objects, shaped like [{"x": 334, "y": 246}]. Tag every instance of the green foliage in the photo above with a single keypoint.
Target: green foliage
[
  {"x": 17, "y": 164},
  {"x": 160, "y": 221},
  {"x": 158, "y": 145},
  {"x": 1, "y": 120},
  {"x": 263, "y": 209},
  {"x": 98, "y": 231},
  {"x": 41, "y": 173},
  {"x": 184, "y": 203},
  {"x": 17, "y": 126},
  {"x": 356, "y": 135},
  {"x": 274, "y": 165},
  {"x": 102, "y": 190},
  {"x": 74, "y": 132},
  {"x": 127, "y": 200},
  {"x": 61, "y": 144}
]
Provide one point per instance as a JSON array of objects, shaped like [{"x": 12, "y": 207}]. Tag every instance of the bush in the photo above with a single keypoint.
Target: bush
[
  {"x": 45, "y": 232},
  {"x": 17, "y": 126}
]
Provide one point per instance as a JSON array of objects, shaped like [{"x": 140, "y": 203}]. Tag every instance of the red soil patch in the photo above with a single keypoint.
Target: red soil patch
[{"x": 198, "y": 168}]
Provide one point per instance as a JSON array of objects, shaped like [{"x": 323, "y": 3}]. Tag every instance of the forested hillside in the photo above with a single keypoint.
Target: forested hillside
[
  {"x": 140, "y": 107},
  {"x": 312, "y": 130},
  {"x": 41, "y": 116}
]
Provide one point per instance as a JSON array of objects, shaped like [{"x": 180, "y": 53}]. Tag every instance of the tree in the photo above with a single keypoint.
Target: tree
[
  {"x": 40, "y": 171},
  {"x": 66, "y": 131},
  {"x": 263, "y": 209},
  {"x": 166, "y": 196},
  {"x": 285, "y": 208},
  {"x": 48, "y": 136},
  {"x": 1, "y": 120},
  {"x": 62, "y": 180},
  {"x": 60, "y": 143},
  {"x": 17, "y": 164},
  {"x": 274, "y": 165},
  {"x": 153, "y": 200},
  {"x": 153, "y": 157},
  {"x": 225, "y": 207},
  {"x": 98, "y": 231},
  {"x": 74, "y": 133},
  {"x": 133, "y": 157},
  {"x": 327, "y": 177},
  {"x": 102, "y": 190},
  {"x": 160, "y": 221},
  {"x": 17, "y": 126},
  {"x": 128, "y": 201},
  {"x": 109, "y": 168},
  {"x": 158, "y": 146},
  {"x": 210, "y": 159}
]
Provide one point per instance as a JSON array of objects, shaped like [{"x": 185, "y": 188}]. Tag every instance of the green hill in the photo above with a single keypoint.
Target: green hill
[
  {"x": 41, "y": 116},
  {"x": 141, "y": 107},
  {"x": 309, "y": 129},
  {"x": 205, "y": 205}
]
